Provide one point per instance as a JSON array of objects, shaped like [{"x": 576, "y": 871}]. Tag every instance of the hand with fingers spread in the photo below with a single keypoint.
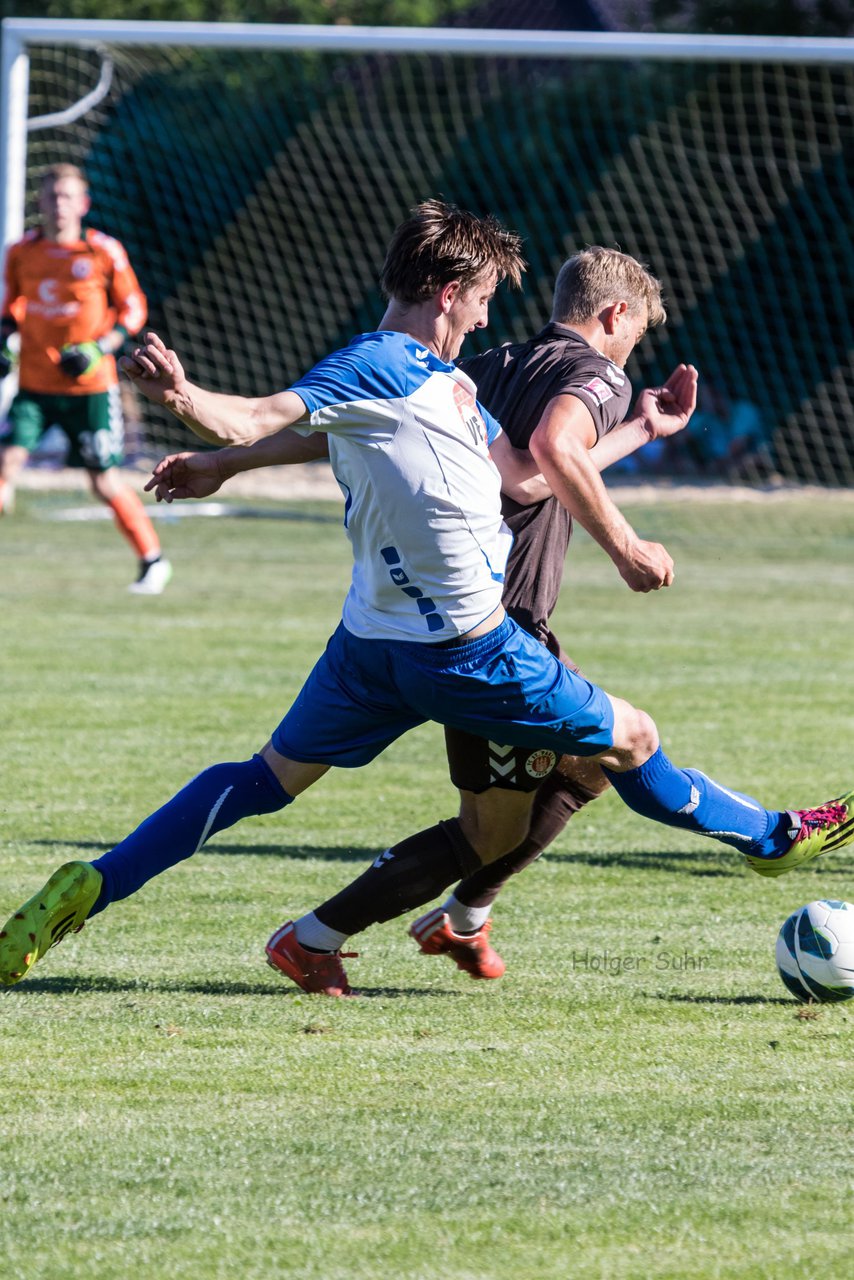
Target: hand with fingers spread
[
  {"x": 666, "y": 410},
  {"x": 156, "y": 371},
  {"x": 186, "y": 475}
]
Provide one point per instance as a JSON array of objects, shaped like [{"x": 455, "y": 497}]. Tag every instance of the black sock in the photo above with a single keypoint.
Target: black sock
[{"x": 405, "y": 876}]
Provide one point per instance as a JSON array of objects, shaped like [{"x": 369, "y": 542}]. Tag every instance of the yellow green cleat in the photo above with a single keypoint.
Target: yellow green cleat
[
  {"x": 813, "y": 832},
  {"x": 60, "y": 907}
]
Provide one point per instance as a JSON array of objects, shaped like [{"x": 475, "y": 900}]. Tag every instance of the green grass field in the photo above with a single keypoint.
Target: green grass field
[{"x": 638, "y": 1098}]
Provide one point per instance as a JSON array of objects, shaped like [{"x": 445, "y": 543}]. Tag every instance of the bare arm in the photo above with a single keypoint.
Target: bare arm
[
  {"x": 521, "y": 479},
  {"x": 561, "y": 445},
  {"x": 198, "y": 475},
  {"x": 158, "y": 374},
  {"x": 659, "y": 412}
]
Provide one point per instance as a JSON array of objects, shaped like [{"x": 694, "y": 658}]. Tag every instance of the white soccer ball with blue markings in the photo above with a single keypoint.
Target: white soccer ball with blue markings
[{"x": 815, "y": 951}]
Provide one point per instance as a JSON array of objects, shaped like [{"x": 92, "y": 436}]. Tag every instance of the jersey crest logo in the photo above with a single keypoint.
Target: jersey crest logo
[
  {"x": 81, "y": 268},
  {"x": 540, "y": 763},
  {"x": 467, "y": 406},
  {"x": 598, "y": 390}
]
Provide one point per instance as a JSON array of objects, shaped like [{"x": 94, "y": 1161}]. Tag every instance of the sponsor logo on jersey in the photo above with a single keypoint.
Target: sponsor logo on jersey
[
  {"x": 421, "y": 355},
  {"x": 47, "y": 304},
  {"x": 615, "y": 375},
  {"x": 540, "y": 763},
  {"x": 52, "y": 312},
  {"x": 598, "y": 390},
  {"x": 81, "y": 268},
  {"x": 467, "y": 406}
]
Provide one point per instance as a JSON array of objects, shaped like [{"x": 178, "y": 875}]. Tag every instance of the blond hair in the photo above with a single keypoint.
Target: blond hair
[
  {"x": 595, "y": 277},
  {"x": 438, "y": 243},
  {"x": 56, "y": 172}
]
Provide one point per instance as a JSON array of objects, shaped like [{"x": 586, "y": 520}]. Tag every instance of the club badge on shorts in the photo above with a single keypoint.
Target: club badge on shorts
[{"x": 540, "y": 763}]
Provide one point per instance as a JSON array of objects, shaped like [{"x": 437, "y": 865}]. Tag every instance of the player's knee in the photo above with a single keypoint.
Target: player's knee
[
  {"x": 103, "y": 485},
  {"x": 635, "y": 735}
]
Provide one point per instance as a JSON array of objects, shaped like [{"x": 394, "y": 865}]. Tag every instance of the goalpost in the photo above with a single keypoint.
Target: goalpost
[{"x": 255, "y": 173}]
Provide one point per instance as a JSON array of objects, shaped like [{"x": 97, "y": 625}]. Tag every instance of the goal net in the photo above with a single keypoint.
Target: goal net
[{"x": 255, "y": 190}]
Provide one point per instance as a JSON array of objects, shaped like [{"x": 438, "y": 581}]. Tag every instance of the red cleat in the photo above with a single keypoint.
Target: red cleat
[
  {"x": 318, "y": 972},
  {"x": 470, "y": 952}
]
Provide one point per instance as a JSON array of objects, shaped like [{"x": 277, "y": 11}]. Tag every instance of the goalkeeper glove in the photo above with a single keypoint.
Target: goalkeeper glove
[
  {"x": 7, "y": 361},
  {"x": 77, "y": 359}
]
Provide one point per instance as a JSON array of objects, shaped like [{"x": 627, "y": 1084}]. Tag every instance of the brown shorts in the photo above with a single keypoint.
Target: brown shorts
[{"x": 476, "y": 765}]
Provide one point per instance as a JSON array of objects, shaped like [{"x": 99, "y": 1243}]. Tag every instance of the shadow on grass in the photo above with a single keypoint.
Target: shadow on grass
[
  {"x": 711, "y": 865},
  {"x": 645, "y": 860},
  {"x": 636, "y": 860},
  {"x": 325, "y": 853},
  {"x": 725, "y": 1000},
  {"x": 85, "y": 985}
]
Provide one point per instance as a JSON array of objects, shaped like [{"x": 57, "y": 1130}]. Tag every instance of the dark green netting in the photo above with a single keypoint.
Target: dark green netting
[{"x": 256, "y": 191}]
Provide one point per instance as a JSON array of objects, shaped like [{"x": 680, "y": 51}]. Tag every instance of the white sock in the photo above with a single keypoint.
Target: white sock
[
  {"x": 465, "y": 919},
  {"x": 312, "y": 932}
]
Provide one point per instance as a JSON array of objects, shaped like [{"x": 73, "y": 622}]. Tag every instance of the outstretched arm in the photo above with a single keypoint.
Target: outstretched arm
[
  {"x": 158, "y": 374},
  {"x": 198, "y": 475}
]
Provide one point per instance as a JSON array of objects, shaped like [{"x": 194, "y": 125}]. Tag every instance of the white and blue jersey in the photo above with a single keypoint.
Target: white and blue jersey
[{"x": 409, "y": 446}]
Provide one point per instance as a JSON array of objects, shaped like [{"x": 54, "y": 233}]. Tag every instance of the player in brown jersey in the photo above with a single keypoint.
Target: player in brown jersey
[
  {"x": 72, "y": 297},
  {"x": 562, "y": 391},
  {"x": 564, "y": 395}
]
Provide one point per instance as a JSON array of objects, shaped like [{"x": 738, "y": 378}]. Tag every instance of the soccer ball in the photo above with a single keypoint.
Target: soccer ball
[{"x": 815, "y": 951}]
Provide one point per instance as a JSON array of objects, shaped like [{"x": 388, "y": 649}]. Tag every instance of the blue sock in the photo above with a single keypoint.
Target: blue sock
[
  {"x": 687, "y": 798},
  {"x": 212, "y": 801}
]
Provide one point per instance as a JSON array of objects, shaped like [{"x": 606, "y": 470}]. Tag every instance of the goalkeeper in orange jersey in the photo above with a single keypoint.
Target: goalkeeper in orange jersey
[{"x": 73, "y": 298}]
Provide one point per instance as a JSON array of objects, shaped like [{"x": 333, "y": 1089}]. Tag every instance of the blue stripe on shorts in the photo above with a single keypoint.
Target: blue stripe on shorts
[{"x": 505, "y": 687}]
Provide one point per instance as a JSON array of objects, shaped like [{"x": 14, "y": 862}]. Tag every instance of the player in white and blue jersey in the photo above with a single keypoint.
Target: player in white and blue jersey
[{"x": 424, "y": 634}]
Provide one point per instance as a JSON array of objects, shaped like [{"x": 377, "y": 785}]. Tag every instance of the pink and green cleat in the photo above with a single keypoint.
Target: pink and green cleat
[
  {"x": 813, "y": 832},
  {"x": 60, "y": 907}
]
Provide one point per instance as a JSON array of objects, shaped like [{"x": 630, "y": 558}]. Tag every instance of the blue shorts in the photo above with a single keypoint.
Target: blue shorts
[{"x": 504, "y": 686}]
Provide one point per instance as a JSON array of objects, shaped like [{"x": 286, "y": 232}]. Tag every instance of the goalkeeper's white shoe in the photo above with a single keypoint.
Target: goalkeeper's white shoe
[
  {"x": 7, "y": 498},
  {"x": 153, "y": 577}
]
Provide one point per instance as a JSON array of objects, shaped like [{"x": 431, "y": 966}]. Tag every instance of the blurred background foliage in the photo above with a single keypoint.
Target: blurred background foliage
[{"x": 746, "y": 17}]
